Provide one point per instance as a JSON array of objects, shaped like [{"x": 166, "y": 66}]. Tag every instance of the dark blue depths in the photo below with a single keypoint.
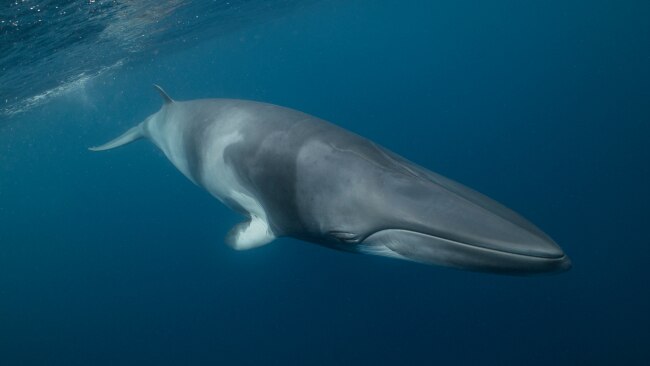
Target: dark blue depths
[{"x": 116, "y": 259}]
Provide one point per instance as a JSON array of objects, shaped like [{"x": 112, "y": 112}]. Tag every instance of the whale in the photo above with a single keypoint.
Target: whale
[{"x": 290, "y": 174}]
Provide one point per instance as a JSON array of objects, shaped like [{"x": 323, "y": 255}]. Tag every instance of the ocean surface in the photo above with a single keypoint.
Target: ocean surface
[{"x": 116, "y": 259}]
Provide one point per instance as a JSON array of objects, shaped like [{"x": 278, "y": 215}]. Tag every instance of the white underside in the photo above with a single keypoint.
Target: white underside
[{"x": 380, "y": 250}]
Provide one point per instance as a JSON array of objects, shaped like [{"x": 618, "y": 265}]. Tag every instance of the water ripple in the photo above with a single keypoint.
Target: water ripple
[{"x": 49, "y": 47}]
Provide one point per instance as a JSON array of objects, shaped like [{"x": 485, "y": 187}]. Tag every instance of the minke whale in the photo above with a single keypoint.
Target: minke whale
[{"x": 294, "y": 175}]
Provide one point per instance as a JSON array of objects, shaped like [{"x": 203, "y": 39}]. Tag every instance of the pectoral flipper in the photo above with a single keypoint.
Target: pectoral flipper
[{"x": 250, "y": 234}]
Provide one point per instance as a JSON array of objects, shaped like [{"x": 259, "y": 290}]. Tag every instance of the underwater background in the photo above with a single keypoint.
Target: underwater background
[{"x": 117, "y": 259}]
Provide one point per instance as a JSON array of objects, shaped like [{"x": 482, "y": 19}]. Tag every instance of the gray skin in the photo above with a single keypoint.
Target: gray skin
[{"x": 306, "y": 178}]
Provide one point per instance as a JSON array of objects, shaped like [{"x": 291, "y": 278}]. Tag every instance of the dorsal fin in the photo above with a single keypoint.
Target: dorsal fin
[{"x": 164, "y": 95}]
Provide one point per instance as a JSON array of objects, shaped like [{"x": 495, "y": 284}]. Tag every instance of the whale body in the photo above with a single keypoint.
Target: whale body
[{"x": 292, "y": 174}]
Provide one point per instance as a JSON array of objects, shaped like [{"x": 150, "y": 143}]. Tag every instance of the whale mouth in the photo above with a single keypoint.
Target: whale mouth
[{"x": 432, "y": 249}]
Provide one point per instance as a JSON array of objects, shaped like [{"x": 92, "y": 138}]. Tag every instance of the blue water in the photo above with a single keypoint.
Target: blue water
[{"x": 116, "y": 259}]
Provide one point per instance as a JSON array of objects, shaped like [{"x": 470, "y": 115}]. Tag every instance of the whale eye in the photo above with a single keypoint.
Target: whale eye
[{"x": 345, "y": 237}]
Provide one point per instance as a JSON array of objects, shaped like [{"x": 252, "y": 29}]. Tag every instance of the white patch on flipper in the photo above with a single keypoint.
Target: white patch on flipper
[{"x": 250, "y": 234}]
